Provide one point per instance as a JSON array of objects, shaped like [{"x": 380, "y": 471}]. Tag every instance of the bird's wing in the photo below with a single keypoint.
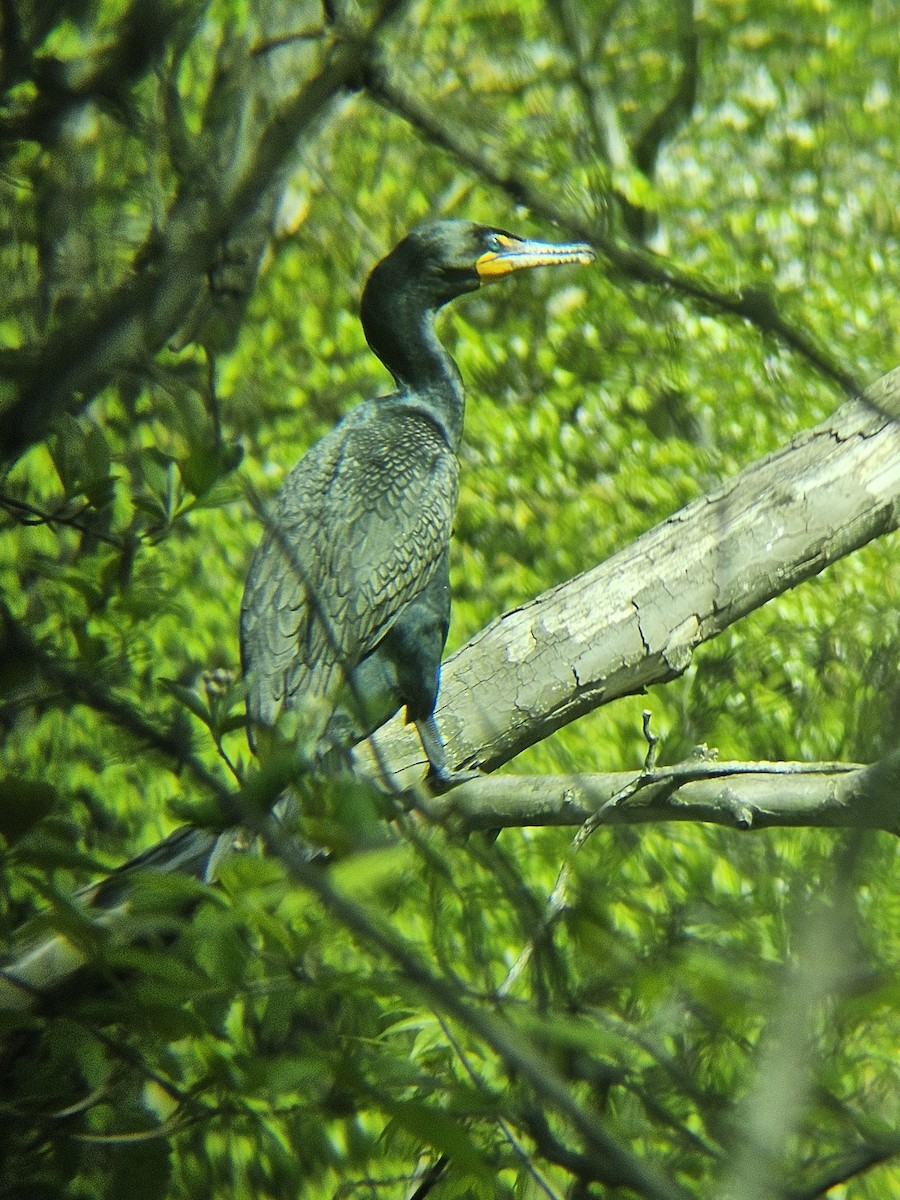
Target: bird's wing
[{"x": 357, "y": 531}]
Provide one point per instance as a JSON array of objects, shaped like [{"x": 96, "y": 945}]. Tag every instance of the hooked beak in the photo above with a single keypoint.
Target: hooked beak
[{"x": 515, "y": 254}]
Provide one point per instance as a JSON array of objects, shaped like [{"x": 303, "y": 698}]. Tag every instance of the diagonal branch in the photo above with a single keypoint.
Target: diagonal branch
[
  {"x": 636, "y": 619},
  {"x": 877, "y": 1149},
  {"x": 630, "y": 622},
  {"x": 752, "y": 304},
  {"x": 139, "y": 317}
]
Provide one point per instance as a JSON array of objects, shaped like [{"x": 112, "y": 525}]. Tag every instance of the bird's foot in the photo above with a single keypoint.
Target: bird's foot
[
  {"x": 440, "y": 777},
  {"x": 442, "y": 780}
]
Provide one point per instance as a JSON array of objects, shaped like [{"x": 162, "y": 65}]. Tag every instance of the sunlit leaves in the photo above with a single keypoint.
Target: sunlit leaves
[{"x": 249, "y": 1046}]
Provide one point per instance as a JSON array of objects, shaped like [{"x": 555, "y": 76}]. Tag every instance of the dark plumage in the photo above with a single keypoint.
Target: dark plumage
[{"x": 347, "y": 602}]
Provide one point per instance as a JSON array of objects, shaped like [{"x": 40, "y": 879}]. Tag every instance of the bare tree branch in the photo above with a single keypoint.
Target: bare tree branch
[
  {"x": 753, "y": 304},
  {"x": 737, "y": 795},
  {"x": 637, "y": 619},
  {"x": 630, "y": 622},
  {"x": 142, "y": 314}
]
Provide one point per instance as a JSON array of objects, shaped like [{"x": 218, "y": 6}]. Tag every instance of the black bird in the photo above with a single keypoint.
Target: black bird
[{"x": 347, "y": 603}]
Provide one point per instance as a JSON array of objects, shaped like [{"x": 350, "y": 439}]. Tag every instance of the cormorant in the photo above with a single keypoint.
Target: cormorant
[{"x": 347, "y": 603}]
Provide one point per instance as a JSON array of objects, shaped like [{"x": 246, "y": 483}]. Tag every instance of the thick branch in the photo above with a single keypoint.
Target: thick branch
[
  {"x": 633, "y": 621},
  {"x": 739, "y": 795},
  {"x": 636, "y": 619}
]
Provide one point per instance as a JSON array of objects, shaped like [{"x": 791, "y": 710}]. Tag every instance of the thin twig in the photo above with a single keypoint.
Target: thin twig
[
  {"x": 752, "y": 304},
  {"x": 505, "y": 1128}
]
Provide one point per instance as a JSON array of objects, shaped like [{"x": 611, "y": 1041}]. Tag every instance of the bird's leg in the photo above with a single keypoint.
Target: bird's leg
[{"x": 439, "y": 777}]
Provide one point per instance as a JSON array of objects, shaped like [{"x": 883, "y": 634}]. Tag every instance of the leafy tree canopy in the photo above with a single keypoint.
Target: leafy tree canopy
[{"x": 193, "y": 195}]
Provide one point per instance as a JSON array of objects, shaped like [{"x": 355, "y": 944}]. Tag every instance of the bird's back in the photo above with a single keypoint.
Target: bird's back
[{"x": 358, "y": 531}]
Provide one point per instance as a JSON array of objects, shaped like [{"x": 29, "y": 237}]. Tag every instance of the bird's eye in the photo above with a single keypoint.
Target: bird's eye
[{"x": 494, "y": 242}]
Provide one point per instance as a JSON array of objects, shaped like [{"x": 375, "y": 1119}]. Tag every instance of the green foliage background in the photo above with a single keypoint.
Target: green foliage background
[{"x": 700, "y": 980}]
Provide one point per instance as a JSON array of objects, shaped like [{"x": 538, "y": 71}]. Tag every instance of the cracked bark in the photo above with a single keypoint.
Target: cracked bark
[
  {"x": 636, "y": 619},
  {"x": 629, "y": 622}
]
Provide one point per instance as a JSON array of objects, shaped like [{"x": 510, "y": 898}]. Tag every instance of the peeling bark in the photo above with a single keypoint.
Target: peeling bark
[{"x": 636, "y": 619}]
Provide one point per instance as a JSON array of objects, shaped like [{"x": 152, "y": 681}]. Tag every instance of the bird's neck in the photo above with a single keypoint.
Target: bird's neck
[{"x": 405, "y": 340}]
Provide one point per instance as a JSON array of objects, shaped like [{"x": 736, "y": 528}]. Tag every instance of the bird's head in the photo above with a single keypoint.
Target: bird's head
[{"x": 440, "y": 260}]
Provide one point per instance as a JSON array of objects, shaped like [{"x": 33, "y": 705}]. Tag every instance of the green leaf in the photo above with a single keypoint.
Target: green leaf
[
  {"x": 141, "y": 1171},
  {"x": 48, "y": 848},
  {"x": 69, "y": 449},
  {"x": 189, "y": 698},
  {"x": 23, "y": 803},
  {"x": 206, "y": 465},
  {"x": 441, "y": 1131}
]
